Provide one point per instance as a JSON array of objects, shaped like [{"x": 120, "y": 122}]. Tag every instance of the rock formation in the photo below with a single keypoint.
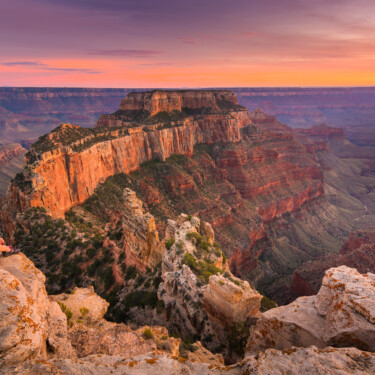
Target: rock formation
[
  {"x": 32, "y": 325},
  {"x": 39, "y": 327},
  {"x": 65, "y": 167},
  {"x": 202, "y": 298},
  {"x": 341, "y": 314},
  {"x": 142, "y": 247},
  {"x": 245, "y": 173},
  {"x": 38, "y": 338}
]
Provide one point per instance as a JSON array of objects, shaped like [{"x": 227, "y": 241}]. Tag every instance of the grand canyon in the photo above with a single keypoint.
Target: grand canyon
[{"x": 197, "y": 229}]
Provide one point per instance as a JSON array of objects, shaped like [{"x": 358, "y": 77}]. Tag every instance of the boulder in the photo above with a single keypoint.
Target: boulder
[
  {"x": 341, "y": 314},
  {"x": 83, "y": 303}
]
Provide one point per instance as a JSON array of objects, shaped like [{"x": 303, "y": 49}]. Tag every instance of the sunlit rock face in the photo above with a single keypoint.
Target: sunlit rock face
[
  {"x": 32, "y": 325},
  {"x": 65, "y": 167}
]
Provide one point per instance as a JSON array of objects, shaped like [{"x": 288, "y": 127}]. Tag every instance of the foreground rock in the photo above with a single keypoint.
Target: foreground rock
[
  {"x": 37, "y": 327},
  {"x": 36, "y": 337},
  {"x": 310, "y": 361},
  {"x": 342, "y": 314},
  {"x": 32, "y": 325}
]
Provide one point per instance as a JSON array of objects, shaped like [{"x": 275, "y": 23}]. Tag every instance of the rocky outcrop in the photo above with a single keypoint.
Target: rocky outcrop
[
  {"x": 142, "y": 246},
  {"x": 83, "y": 303},
  {"x": 341, "y": 314},
  {"x": 38, "y": 327},
  {"x": 32, "y": 325},
  {"x": 202, "y": 298},
  {"x": 304, "y": 361},
  {"x": 31, "y": 321}
]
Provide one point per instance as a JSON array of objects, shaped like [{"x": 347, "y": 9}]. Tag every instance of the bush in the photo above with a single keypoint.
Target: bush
[
  {"x": 190, "y": 261},
  {"x": 198, "y": 240},
  {"x": 169, "y": 243},
  {"x": 131, "y": 273},
  {"x": 267, "y": 304},
  {"x": 147, "y": 334},
  {"x": 65, "y": 310},
  {"x": 84, "y": 311}
]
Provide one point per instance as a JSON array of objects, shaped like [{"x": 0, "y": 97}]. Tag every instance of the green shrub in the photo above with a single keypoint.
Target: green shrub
[
  {"x": 267, "y": 304},
  {"x": 147, "y": 334},
  {"x": 65, "y": 310},
  {"x": 131, "y": 273},
  {"x": 190, "y": 261},
  {"x": 198, "y": 240},
  {"x": 84, "y": 311},
  {"x": 169, "y": 243}
]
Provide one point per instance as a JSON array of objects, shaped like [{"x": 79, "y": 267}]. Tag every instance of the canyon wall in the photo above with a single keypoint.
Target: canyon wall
[
  {"x": 11, "y": 162},
  {"x": 244, "y": 173},
  {"x": 62, "y": 177}
]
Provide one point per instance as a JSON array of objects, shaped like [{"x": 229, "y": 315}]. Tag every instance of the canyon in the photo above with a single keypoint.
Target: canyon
[
  {"x": 164, "y": 238},
  {"x": 264, "y": 187}
]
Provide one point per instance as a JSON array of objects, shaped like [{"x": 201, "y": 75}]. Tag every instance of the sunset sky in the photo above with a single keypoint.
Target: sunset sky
[{"x": 194, "y": 43}]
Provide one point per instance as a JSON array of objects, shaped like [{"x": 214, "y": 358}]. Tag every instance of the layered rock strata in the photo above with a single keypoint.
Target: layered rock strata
[
  {"x": 65, "y": 167},
  {"x": 11, "y": 162}
]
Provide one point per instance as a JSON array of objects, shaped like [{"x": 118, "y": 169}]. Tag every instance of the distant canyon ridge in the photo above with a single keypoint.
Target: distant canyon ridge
[{"x": 27, "y": 113}]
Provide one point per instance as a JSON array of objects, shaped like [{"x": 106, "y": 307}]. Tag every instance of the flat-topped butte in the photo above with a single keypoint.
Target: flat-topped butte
[{"x": 163, "y": 106}]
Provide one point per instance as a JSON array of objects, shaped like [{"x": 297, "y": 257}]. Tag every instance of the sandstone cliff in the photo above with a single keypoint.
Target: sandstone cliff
[{"x": 65, "y": 167}]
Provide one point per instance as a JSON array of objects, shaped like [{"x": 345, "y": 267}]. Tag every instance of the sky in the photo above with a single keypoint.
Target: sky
[{"x": 192, "y": 43}]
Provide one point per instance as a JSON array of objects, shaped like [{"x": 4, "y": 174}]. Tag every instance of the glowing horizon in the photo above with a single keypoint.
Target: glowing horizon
[{"x": 206, "y": 43}]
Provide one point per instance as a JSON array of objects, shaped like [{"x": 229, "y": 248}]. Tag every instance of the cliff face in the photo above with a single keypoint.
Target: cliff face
[
  {"x": 62, "y": 177},
  {"x": 11, "y": 162},
  {"x": 168, "y": 101},
  {"x": 244, "y": 173}
]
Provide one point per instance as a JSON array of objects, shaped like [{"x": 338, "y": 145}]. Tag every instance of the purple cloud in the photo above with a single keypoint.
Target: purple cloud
[
  {"x": 23, "y": 63},
  {"x": 45, "y": 67},
  {"x": 125, "y": 52}
]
